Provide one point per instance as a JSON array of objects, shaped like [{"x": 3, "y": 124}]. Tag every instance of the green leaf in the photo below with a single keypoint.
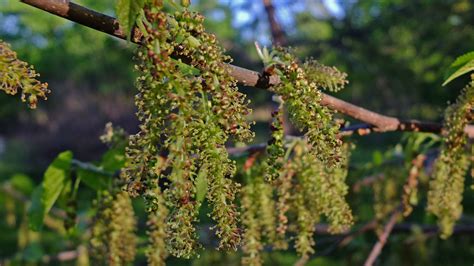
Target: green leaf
[
  {"x": 36, "y": 210},
  {"x": 201, "y": 184},
  {"x": 93, "y": 180},
  {"x": 33, "y": 252},
  {"x": 127, "y": 13},
  {"x": 377, "y": 158},
  {"x": 22, "y": 183},
  {"x": 461, "y": 66},
  {"x": 114, "y": 159},
  {"x": 46, "y": 194},
  {"x": 97, "y": 176}
]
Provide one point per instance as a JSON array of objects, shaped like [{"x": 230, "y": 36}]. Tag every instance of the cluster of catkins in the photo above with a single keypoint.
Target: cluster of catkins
[
  {"x": 447, "y": 184},
  {"x": 179, "y": 156},
  {"x": 298, "y": 185},
  {"x": 299, "y": 89},
  {"x": 188, "y": 109},
  {"x": 113, "y": 238},
  {"x": 304, "y": 192},
  {"x": 16, "y": 75}
]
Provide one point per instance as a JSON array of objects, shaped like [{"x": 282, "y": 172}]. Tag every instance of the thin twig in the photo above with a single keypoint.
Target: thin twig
[
  {"x": 375, "y": 122},
  {"x": 402, "y": 228},
  {"x": 411, "y": 184},
  {"x": 377, "y": 249},
  {"x": 62, "y": 256},
  {"x": 366, "y": 181},
  {"x": 363, "y": 229}
]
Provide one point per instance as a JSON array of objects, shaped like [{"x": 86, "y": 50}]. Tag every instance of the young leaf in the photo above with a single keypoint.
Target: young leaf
[
  {"x": 22, "y": 183},
  {"x": 93, "y": 180},
  {"x": 461, "y": 66},
  {"x": 113, "y": 159},
  {"x": 49, "y": 190},
  {"x": 36, "y": 209},
  {"x": 127, "y": 13}
]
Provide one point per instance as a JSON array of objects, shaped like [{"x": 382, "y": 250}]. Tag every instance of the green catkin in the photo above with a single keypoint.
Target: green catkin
[
  {"x": 326, "y": 77},
  {"x": 123, "y": 239},
  {"x": 266, "y": 210},
  {"x": 264, "y": 204},
  {"x": 221, "y": 196},
  {"x": 306, "y": 222},
  {"x": 113, "y": 234},
  {"x": 189, "y": 118},
  {"x": 252, "y": 245},
  {"x": 386, "y": 193},
  {"x": 275, "y": 148},
  {"x": 303, "y": 101},
  {"x": 228, "y": 104},
  {"x": 153, "y": 108},
  {"x": 447, "y": 184},
  {"x": 325, "y": 188},
  {"x": 182, "y": 237},
  {"x": 16, "y": 75},
  {"x": 312, "y": 183},
  {"x": 156, "y": 251},
  {"x": 336, "y": 208},
  {"x": 283, "y": 191}
]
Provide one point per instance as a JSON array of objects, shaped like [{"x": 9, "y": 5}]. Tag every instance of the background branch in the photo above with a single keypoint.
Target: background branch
[
  {"x": 377, "y": 249},
  {"x": 278, "y": 35}
]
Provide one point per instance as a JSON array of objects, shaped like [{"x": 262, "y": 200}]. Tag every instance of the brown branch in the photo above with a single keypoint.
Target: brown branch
[
  {"x": 363, "y": 229},
  {"x": 377, "y": 249},
  {"x": 249, "y": 149},
  {"x": 366, "y": 181},
  {"x": 402, "y": 228},
  {"x": 376, "y": 122},
  {"x": 62, "y": 256},
  {"x": 411, "y": 183},
  {"x": 278, "y": 35}
]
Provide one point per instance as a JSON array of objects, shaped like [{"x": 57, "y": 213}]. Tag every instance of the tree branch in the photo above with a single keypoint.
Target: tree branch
[
  {"x": 278, "y": 35},
  {"x": 375, "y": 122},
  {"x": 377, "y": 249}
]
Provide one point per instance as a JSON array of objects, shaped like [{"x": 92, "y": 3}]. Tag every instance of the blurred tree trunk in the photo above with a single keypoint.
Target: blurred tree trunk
[{"x": 278, "y": 35}]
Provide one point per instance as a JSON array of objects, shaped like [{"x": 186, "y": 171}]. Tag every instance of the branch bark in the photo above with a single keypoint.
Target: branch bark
[
  {"x": 377, "y": 249},
  {"x": 375, "y": 122},
  {"x": 278, "y": 35}
]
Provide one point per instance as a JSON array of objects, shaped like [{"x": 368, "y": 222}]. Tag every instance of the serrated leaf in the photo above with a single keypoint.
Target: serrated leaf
[
  {"x": 461, "y": 66},
  {"x": 201, "y": 184},
  {"x": 46, "y": 194},
  {"x": 127, "y": 13}
]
